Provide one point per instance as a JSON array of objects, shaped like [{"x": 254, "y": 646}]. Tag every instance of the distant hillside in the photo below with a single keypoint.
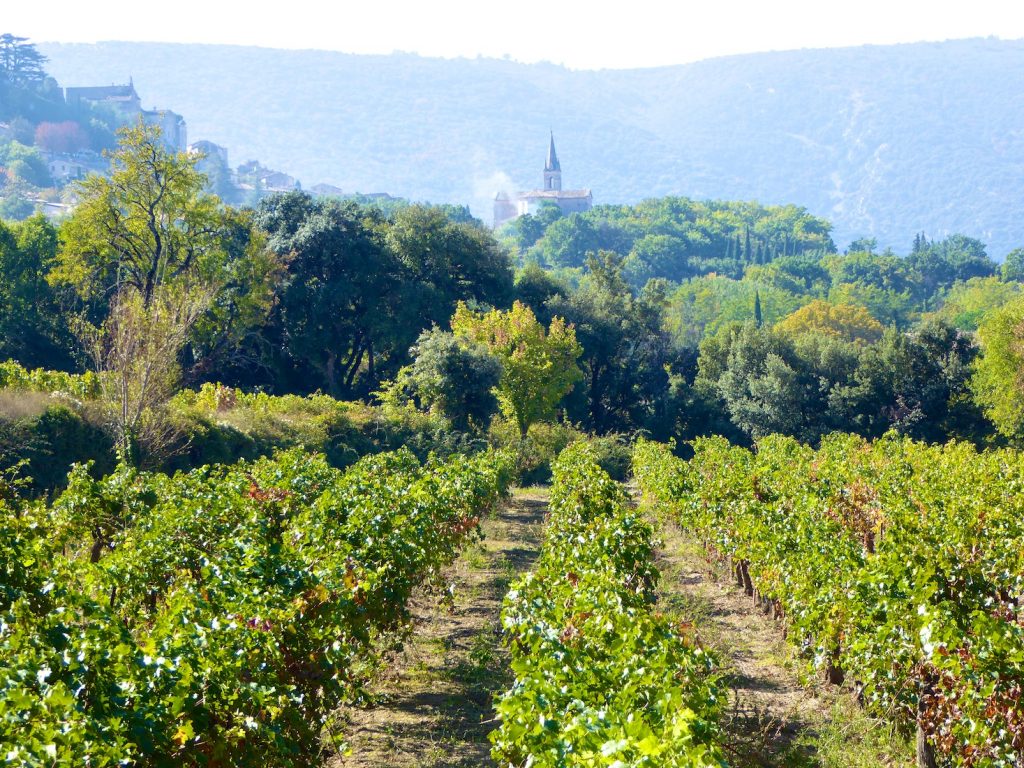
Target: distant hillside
[{"x": 884, "y": 141}]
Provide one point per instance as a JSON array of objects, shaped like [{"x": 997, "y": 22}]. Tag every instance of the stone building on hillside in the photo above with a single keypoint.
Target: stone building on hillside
[
  {"x": 120, "y": 99},
  {"x": 172, "y": 127},
  {"x": 124, "y": 103},
  {"x": 211, "y": 151},
  {"x": 508, "y": 207}
]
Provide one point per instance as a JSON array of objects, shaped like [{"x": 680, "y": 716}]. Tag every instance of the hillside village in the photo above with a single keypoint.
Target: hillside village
[{"x": 51, "y": 137}]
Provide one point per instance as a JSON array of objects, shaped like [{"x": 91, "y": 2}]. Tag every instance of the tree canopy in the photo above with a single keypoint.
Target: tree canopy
[
  {"x": 538, "y": 366},
  {"x": 998, "y": 381},
  {"x": 842, "y": 321},
  {"x": 149, "y": 223}
]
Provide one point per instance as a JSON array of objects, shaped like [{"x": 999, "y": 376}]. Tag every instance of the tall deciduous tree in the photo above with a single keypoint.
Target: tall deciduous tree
[
  {"x": 538, "y": 367},
  {"x": 153, "y": 256},
  {"x": 1013, "y": 266},
  {"x": 626, "y": 352},
  {"x": 998, "y": 381},
  {"x": 149, "y": 223},
  {"x": 33, "y": 330},
  {"x": 361, "y": 287},
  {"x": 444, "y": 262},
  {"x": 136, "y": 352},
  {"x": 66, "y": 136},
  {"x": 842, "y": 321}
]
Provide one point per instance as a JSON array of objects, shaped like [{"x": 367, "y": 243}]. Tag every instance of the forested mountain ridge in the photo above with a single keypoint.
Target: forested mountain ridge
[{"x": 880, "y": 140}]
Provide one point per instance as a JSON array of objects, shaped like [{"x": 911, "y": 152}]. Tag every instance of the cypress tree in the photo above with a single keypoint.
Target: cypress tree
[{"x": 758, "y": 318}]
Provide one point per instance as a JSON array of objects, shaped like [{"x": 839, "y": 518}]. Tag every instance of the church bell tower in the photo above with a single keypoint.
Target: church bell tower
[{"x": 552, "y": 170}]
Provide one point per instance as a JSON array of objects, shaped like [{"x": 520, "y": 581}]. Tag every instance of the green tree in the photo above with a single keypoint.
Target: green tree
[
  {"x": 151, "y": 255},
  {"x": 453, "y": 377},
  {"x": 360, "y": 286},
  {"x": 444, "y": 262},
  {"x": 246, "y": 291},
  {"x": 20, "y": 62},
  {"x": 1013, "y": 266},
  {"x": 940, "y": 264},
  {"x": 766, "y": 387},
  {"x": 626, "y": 351},
  {"x": 887, "y": 306},
  {"x": 25, "y": 163},
  {"x": 916, "y": 384},
  {"x": 524, "y": 231},
  {"x": 14, "y": 206},
  {"x": 998, "y": 381},
  {"x": 704, "y": 305},
  {"x": 863, "y": 245},
  {"x": 136, "y": 354},
  {"x": 796, "y": 274},
  {"x": 538, "y": 367},
  {"x": 657, "y": 255},
  {"x": 149, "y": 223},
  {"x": 966, "y": 304},
  {"x": 567, "y": 241},
  {"x": 535, "y": 287},
  {"x": 33, "y": 329},
  {"x": 341, "y": 304}
]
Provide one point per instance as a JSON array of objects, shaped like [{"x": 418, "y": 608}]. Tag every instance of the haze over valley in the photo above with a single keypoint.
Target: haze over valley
[{"x": 883, "y": 141}]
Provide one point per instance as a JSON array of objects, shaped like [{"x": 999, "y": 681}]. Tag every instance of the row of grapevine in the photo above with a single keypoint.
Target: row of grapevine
[
  {"x": 897, "y": 566},
  {"x": 218, "y": 617},
  {"x": 14, "y": 376},
  {"x": 601, "y": 678}
]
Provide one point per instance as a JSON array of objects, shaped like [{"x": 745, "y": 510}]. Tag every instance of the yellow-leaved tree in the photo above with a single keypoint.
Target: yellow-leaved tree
[
  {"x": 538, "y": 366},
  {"x": 849, "y": 322},
  {"x": 998, "y": 380}
]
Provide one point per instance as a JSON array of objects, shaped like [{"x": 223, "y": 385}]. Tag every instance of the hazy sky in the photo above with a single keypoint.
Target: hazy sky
[{"x": 634, "y": 33}]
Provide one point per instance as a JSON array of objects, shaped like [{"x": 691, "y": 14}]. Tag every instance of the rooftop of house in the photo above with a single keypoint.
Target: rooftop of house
[
  {"x": 326, "y": 190},
  {"x": 204, "y": 145},
  {"x": 101, "y": 92}
]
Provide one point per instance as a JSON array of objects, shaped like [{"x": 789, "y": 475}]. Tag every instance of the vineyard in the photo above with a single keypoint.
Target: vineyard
[
  {"x": 894, "y": 566},
  {"x": 601, "y": 679},
  {"x": 226, "y": 615},
  {"x": 217, "y": 617},
  {"x": 300, "y": 479}
]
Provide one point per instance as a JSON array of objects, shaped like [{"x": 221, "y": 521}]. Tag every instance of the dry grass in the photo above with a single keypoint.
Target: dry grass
[{"x": 19, "y": 405}]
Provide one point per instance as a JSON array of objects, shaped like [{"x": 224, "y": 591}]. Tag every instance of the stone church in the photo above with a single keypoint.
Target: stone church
[{"x": 508, "y": 207}]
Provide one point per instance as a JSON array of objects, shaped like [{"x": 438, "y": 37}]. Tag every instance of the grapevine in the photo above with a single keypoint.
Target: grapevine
[{"x": 898, "y": 566}]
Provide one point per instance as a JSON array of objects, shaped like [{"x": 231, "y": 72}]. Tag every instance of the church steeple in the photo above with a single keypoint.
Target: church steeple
[{"x": 552, "y": 170}]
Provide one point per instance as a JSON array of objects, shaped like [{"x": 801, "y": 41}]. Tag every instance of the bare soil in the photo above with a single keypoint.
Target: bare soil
[{"x": 432, "y": 707}]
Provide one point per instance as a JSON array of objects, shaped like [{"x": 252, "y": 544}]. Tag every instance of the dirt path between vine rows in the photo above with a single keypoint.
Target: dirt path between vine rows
[
  {"x": 772, "y": 718},
  {"x": 432, "y": 708}
]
